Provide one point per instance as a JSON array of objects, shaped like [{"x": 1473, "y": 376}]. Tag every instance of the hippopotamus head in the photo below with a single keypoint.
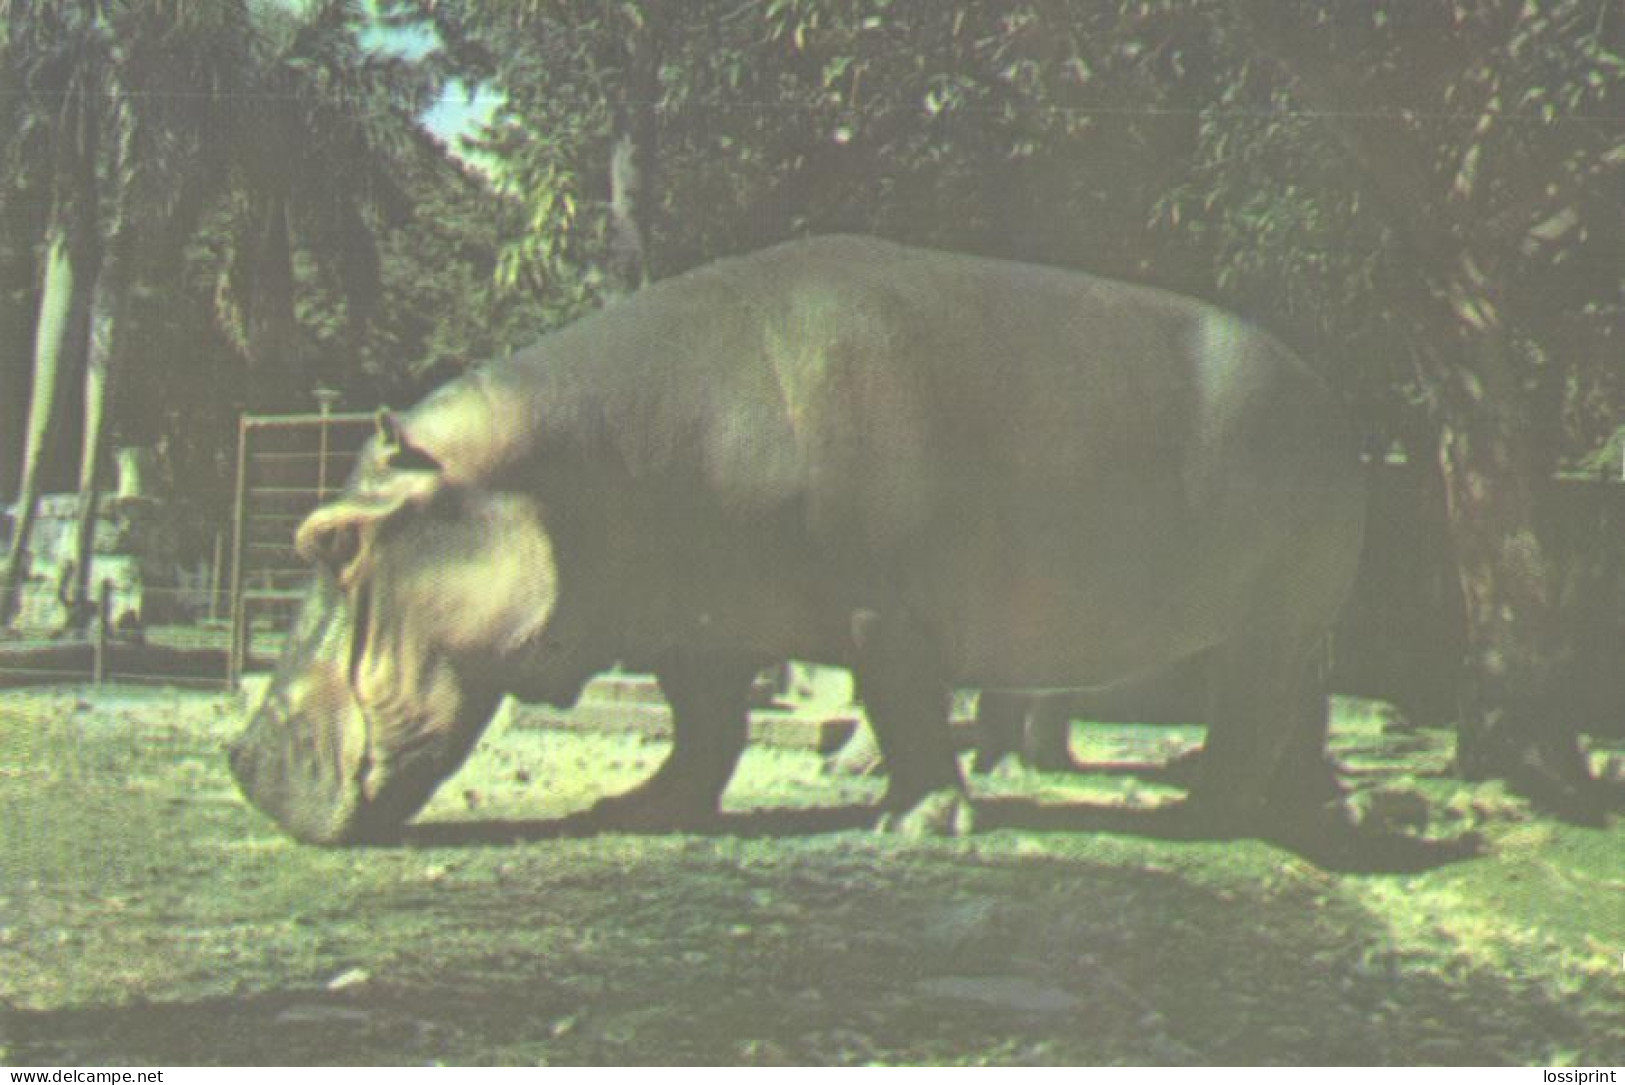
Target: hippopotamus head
[{"x": 434, "y": 595}]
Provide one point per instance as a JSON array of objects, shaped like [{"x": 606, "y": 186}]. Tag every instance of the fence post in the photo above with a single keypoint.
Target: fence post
[
  {"x": 234, "y": 646},
  {"x": 215, "y": 577},
  {"x": 102, "y": 641},
  {"x": 325, "y": 398}
]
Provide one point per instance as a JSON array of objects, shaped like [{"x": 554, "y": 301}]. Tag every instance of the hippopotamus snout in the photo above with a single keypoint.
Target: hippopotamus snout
[{"x": 295, "y": 769}]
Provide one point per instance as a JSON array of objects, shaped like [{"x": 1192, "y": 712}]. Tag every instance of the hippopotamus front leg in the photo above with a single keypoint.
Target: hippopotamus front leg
[{"x": 709, "y": 702}]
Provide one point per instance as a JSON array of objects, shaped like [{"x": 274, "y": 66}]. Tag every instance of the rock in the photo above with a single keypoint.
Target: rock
[
  {"x": 968, "y": 924},
  {"x": 764, "y": 1053},
  {"x": 840, "y": 1047},
  {"x": 346, "y": 981}
]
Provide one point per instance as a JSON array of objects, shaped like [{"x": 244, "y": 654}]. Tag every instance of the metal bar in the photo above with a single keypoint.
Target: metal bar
[
  {"x": 234, "y": 648},
  {"x": 321, "y": 460},
  {"x": 284, "y": 491},
  {"x": 292, "y": 421},
  {"x": 214, "y": 575},
  {"x": 168, "y": 680},
  {"x": 263, "y": 456},
  {"x": 102, "y": 638},
  {"x": 45, "y": 672}
]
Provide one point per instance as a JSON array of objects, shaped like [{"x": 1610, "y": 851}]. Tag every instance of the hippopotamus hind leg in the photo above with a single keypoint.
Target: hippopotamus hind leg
[
  {"x": 1001, "y": 721},
  {"x": 1264, "y": 760},
  {"x": 906, "y": 691}
]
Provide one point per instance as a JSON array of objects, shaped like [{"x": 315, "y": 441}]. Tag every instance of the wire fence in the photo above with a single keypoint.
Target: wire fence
[
  {"x": 287, "y": 465},
  {"x": 208, "y": 625}
]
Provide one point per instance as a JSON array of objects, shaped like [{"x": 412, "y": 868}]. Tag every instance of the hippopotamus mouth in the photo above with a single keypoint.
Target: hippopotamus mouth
[
  {"x": 322, "y": 778},
  {"x": 309, "y": 771},
  {"x": 310, "y": 756}
]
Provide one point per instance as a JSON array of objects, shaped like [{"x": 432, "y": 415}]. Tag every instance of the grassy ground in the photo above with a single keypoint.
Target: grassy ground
[{"x": 148, "y": 916}]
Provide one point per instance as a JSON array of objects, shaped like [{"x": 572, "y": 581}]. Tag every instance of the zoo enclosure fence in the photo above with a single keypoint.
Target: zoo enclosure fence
[
  {"x": 207, "y": 626},
  {"x": 287, "y": 465}
]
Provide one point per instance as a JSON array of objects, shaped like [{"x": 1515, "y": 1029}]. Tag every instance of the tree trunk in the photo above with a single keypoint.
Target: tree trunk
[
  {"x": 101, "y": 381},
  {"x": 1515, "y": 640},
  {"x": 18, "y": 306},
  {"x": 273, "y": 327},
  {"x": 633, "y": 158},
  {"x": 71, "y": 260},
  {"x": 109, "y": 312}
]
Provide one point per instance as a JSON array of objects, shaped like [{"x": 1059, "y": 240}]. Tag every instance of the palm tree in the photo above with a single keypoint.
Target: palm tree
[
  {"x": 22, "y": 180},
  {"x": 138, "y": 94},
  {"x": 60, "y": 52},
  {"x": 169, "y": 70},
  {"x": 313, "y": 169}
]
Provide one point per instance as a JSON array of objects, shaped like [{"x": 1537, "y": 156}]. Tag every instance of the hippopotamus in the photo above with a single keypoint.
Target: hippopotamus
[{"x": 937, "y": 470}]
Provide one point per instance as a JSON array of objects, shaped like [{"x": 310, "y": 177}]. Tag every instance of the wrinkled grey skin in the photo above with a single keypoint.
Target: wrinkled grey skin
[{"x": 938, "y": 470}]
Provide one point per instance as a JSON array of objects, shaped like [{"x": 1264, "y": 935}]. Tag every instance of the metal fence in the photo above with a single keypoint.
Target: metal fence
[
  {"x": 206, "y": 618},
  {"x": 286, "y": 466}
]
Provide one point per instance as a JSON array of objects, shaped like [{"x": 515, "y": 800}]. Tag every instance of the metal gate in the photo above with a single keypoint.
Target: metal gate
[{"x": 286, "y": 466}]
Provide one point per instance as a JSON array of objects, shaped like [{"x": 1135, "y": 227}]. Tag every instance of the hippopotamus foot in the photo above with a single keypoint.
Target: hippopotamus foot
[
  {"x": 906, "y": 692},
  {"x": 659, "y": 805},
  {"x": 1303, "y": 790},
  {"x": 1263, "y": 767},
  {"x": 1037, "y": 727},
  {"x": 945, "y": 812},
  {"x": 1555, "y": 778},
  {"x": 1306, "y": 782}
]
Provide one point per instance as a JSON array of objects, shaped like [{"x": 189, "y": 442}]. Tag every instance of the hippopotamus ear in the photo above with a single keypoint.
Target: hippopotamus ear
[
  {"x": 335, "y": 533},
  {"x": 331, "y": 535},
  {"x": 397, "y": 449}
]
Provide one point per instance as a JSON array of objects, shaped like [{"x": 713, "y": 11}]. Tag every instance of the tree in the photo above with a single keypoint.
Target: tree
[
  {"x": 317, "y": 145},
  {"x": 1421, "y": 197},
  {"x": 65, "y": 54},
  {"x": 586, "y": 74},
  {"x": 22, "y": 179},
  {"x": 167, "y": 67},
  {"x": 145, "y": 88},
  {"x": 1480, "y": 197}
]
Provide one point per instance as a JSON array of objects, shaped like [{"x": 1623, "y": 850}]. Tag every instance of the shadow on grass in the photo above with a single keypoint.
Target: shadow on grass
[
  {"x": 753, "y": 824},
  {"x": 1329, "y": 843}
]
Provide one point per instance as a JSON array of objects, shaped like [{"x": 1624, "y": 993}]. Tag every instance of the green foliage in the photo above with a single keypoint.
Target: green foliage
[
  {"x": 1151, "y": 139},
  {"x": 1157, "y": 140},
  {"x": 255, "y": 165},
  {"x": 445, "y": 305}
]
